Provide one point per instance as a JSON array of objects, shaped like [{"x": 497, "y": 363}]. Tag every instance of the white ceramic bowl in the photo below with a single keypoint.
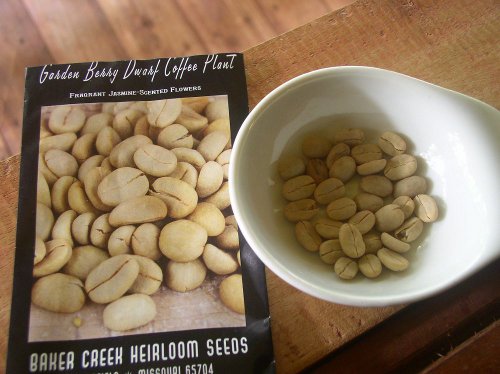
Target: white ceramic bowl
[{"x": 455, "y": 138}]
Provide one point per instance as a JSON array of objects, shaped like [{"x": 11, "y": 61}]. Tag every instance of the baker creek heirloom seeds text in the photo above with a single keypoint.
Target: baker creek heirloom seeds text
[{"x": 139, "y": 354}]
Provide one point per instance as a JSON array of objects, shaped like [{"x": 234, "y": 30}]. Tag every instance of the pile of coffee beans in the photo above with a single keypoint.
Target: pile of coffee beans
[
  {"x": 359, "y": 205},
  {"x": 130, "y": 196}
]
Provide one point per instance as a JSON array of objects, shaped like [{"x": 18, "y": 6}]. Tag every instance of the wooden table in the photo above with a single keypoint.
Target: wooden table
[{"x": 451, "y": 43}]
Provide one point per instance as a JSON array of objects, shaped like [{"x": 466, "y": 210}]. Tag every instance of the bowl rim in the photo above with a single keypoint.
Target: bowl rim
[{"x": 271, "y": 262}]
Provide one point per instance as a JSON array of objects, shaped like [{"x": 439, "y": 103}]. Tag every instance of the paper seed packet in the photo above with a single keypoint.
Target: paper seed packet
[{"x": 128, "y": 255}]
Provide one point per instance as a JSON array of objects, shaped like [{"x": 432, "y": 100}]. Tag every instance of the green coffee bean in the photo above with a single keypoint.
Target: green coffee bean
[
  {"x": 346, "y": 268},
  {"x": 351, "y": 241},
  {"x": 391, "y": 260},
  {"x": 307, "y": 236},
  {"x": 370, "y": 266},
  {"x": 426, "y": 208}
]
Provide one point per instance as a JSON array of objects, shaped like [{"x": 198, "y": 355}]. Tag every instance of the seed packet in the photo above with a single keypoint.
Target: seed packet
[{"x": 128, "y": 255}]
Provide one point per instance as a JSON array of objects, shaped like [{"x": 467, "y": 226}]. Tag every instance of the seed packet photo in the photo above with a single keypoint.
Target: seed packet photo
[{"x": 128, "y": 255}]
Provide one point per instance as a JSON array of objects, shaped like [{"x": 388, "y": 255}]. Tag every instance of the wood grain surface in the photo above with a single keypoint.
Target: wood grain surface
[
  {"x": 450, "y": 43},
  {"x": 426, "y": 333},
  {"x": 468, "y": 356},
  {"x": 9, "y": 170}
]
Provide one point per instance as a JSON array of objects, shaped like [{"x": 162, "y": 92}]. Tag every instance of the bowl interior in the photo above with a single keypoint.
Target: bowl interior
[{"x": 451, "y": 135}]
